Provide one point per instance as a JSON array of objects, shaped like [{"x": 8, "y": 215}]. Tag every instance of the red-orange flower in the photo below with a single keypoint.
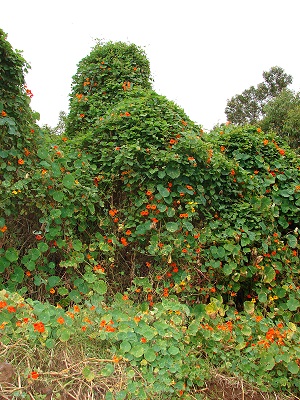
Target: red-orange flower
[
  {"x": 3, "y": 113},
  {"x": 33, "y": 375},
  {"x": 20, "y": 161},
  {"x": 3, "y": 229},
  {"x": 39, "y": 327},
  {"x": 11, "y": 309},
  {"x": 143, "y": 340},
  {"x": 60, "y": 320}
]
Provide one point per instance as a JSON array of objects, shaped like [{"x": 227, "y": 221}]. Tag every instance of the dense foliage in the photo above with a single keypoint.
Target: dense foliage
[
  {"x": 174, "y": 248},
  {"x": 248, "y": 107}
]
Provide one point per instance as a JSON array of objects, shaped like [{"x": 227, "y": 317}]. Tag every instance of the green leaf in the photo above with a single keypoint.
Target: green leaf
[
  {"x": 268, "y": 362},
  {"x": 43, "y": 153},
  {"x": 53, "y": 280},
  {"x": 50, "y": 343},
  {"x": 161, "y": 174},
  {"x": 42, "y": 246},
  {"x": 150, "y": 355},
  {"x": 162, "y": 190},
  {"x": 108, "y": 370},
  {"x": 249, "y": 307},
  {"x": 125, "y": 347},
  {"x": 11, "y": 254},
  {"x": 228, "y": 268},
  {"x": 293, "y": 367},
  {"x": 137, "y": 350},
  {"x": 172, "y": 226},
  {"x": 173, "y": 172},
  {"x": 292, "y": 241},
  {"x": 100, "y": 287},
  {"x": 77, "y": 245},
  {"x": 88, "y": 374},
  {"x": 173, "y": 350},
  {"x": 58, "y": 196},
  {"x": 293, "y": 303},
  {"x": 269, "y": 274},
  {"x": 63, "y": 334},
  {"x": 68, "y": 181},
  {"x": 18, "y": 275}
]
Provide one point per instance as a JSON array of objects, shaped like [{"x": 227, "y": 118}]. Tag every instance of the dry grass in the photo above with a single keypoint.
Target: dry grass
[{"x": 61, "y": 376}]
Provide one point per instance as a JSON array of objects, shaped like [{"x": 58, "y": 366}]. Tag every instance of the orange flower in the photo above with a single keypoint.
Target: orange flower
[
  {"x": 3, "y": 113},
  {"x": 26, "y": 152},
  {"x": 258, "y": 318},
  {"x": 125, "y": 297},
  {"x": 109, "y": 328},
  {"x": 281, "y": 152},
  {"x": 11, "y": 309},
  {"x": 148, "y": 264},
  {"x": 20, "y": 161},
  {"x": 148, "y": 193},
  {"x": 81, "y": 115},
  {"x": 173, "y": 141},
  {"x": 222, "y": 148},
  {"x": 143, "y": 340},
  {"x": 60, "y": 320},
  {"x": 39, "y": 327},
  {"x": 256, "y": 172},
  {"x": 232, "y": 172},
  {"x": 258, "y": 130},
  {"x": 128, "y": 232},
  {"x": 33, "y": 375},
  {"x": 126, "y": 85},
  {"x": 28, "y": 273},
  {"x": 3, "y": 229},
  {"x": 76, "y": 309},
  {"x": 144, "y": 213},
  {"x": 184, "y": 251},
  {"x": 127, "y": 114},
  {"x": 124, "y": 241},
  {"x": 265, "y": 142},
  {"x": 113, "y": 212}
]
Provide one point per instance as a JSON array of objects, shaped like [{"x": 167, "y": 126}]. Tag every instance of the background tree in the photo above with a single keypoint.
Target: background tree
[
  {"x": 248, "y": 107},
  {"x": 282, "y": 115}
]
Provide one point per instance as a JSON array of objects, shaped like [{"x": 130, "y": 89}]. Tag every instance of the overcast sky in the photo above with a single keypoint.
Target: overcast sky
[{"x": 201, "y": 52}]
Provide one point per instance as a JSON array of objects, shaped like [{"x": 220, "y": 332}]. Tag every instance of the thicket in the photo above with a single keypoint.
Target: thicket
[{"x": 174, "y": 249}]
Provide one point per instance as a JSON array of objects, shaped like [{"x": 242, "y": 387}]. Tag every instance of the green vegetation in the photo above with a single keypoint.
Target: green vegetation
[{"x": 141, "y": 257}]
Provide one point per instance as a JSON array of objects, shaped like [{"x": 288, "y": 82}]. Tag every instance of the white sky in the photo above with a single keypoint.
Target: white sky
[{"x": 201, "y": 52}]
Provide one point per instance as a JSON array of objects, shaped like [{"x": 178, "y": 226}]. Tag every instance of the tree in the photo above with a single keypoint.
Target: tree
[
  {"x": 282, "y": 115},
  {"x": 248, "y": 107}
]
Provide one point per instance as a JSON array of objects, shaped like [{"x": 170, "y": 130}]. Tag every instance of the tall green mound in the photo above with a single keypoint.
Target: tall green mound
[{"x": 103, "y": 78}]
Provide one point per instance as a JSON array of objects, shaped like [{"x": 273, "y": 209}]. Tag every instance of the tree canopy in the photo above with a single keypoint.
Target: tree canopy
[{"x": 248, "y": 107}]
